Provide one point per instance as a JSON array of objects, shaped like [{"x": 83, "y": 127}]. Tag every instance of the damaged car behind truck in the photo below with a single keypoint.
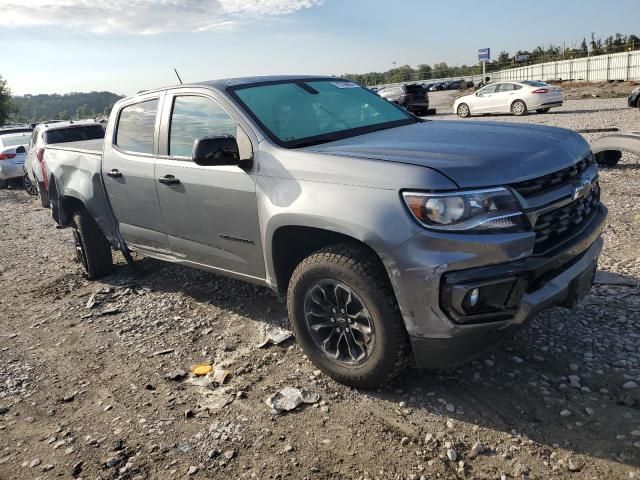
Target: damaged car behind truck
[{"x": 394, "y": 239}]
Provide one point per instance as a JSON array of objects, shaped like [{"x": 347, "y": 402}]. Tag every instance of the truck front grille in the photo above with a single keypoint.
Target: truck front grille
[
  {"x": 555, "y": 179},
  {"x": 555, "y": 227}
]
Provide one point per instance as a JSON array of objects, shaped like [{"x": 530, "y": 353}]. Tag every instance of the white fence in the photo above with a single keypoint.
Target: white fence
[
  {"x": 602, "y": 68},
  {"x": 623, "y": 66}
]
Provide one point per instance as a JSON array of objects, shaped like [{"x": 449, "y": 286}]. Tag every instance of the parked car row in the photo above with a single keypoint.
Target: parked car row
[
  {"x": 413, "y": 97},
  {"x": 448, "y": 85},
  {"x": 22, "y": 150}
]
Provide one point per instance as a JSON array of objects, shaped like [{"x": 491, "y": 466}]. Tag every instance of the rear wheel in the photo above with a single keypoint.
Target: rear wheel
[
  {"x": 518, "y": 108},
  {"x": 463, "y": 110},
  {"x": 542, "y": 110},
  {"x": 4, "y": 184},
  {"x": 44, "y": 195},
  {"x": 345, "y": 316},
  {"x": 92, "y": 248},
  {"x": 29, "y": 186}
]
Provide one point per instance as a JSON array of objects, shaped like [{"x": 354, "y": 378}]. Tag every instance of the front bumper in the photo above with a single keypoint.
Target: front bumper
[{"x": 556, "y": 279}]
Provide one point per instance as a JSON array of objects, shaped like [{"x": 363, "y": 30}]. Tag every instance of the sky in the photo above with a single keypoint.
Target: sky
[{"x": 61, "y": 46}]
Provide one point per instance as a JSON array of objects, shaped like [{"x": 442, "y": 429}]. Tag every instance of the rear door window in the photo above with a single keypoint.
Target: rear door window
[
  {"x": 506, "y": 87},
  {"x": 136, "y": 127},
  {"x": 73, "y": 134}
]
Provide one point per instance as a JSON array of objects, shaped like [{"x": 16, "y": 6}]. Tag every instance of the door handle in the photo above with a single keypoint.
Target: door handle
[
  {"x": 169, "y": 180},
  {"x": 114, "y": 173}
]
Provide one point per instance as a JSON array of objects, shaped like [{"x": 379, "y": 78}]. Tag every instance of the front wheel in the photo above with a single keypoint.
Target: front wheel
[
  {"x": 92, "y": 248},
  {"x": 463, "y": 110},
  {"x": 543, "y": 110},
  {"x": 345, "y": 317},
  {"x": 518, "y": 108}
]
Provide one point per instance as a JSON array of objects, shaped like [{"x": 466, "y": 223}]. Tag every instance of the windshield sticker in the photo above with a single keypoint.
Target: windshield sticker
[{"x": 345, "y": 84}]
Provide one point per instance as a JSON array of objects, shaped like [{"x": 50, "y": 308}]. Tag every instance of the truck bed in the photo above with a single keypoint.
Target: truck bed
[{"x": 75, "y": 170}]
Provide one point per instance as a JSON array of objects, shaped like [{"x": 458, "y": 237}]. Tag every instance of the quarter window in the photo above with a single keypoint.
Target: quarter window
[
  {"x": 136, "y": 127},
  {"x": 194, "y": 118}
]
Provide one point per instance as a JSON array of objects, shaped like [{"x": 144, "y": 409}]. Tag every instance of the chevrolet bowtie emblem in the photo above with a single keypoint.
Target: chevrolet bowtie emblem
[{"x": 582, "y": 188}]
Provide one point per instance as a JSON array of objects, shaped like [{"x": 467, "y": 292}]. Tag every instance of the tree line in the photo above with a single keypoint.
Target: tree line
[
  {"x": 43, "y": 107},
  {"x": 594, "y": 46},
  {"x": 70, "y": 106}
]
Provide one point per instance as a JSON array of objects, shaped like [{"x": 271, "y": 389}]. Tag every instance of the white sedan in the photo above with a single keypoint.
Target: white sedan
[
  {"x": 516, "y": 98},
  {"x": 13, "y": 150}
]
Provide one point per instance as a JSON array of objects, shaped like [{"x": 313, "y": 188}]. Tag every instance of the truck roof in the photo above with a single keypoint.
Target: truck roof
[{"x": 223, "y": 84}]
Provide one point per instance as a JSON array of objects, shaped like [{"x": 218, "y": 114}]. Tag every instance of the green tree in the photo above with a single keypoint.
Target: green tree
[
  {"x": 583, "y": 47},
  {"x": 6, "y": 104},
  {"x": 85, "y": 112},
  {"x": 424, "y": 71},
  {"x": 504, "y": 58}
]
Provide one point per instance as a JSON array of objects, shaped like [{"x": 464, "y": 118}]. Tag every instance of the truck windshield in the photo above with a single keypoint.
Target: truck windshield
[{"x": 299, "y": 113}]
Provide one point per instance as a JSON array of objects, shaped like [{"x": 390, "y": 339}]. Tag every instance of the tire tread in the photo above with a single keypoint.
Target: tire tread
[
  {"x": 362, "y": 262},
  {"x": 97, "y": 247}
]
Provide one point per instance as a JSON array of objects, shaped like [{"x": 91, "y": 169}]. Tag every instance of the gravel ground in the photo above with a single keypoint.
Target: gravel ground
[{"x": 94, "y": 376}]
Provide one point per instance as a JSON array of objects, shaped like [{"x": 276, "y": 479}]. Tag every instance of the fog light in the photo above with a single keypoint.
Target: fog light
[{"x": 474, "y": 296}]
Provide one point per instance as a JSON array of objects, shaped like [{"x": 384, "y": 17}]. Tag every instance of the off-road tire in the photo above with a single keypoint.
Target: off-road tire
[
  {"x": 519, "y": 108},
  {"x": 358, "y": 268},
  {"x": 44, "y": 195},
  {"x": 463, "y": 110},
  {"x": 98, "y": 260},
  {"x": 543, "y": 110}
]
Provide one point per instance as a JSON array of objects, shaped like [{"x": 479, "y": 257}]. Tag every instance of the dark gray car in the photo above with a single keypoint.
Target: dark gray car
[
  {"x": 392, "y": 237},
  {"x": 413, "y": 97}
]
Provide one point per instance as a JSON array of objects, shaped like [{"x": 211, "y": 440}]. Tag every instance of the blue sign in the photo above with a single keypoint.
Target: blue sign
[{"x": 484, "y": 54}]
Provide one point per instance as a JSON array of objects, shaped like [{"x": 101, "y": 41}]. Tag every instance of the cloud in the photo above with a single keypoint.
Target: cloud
[{"x": 144, "y": 17}]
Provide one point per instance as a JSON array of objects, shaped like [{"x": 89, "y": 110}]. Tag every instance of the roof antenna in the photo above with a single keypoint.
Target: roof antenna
[{"x": 178, "y": 75}]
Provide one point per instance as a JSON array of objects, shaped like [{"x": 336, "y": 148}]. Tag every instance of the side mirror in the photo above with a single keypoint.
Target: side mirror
[
  {"x": 21, "y": 149},
  {"x": 218, "y": 150}
]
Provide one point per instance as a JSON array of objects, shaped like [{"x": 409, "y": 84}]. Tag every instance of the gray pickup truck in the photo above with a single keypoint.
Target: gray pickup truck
[{"x": 393, "y": 238}]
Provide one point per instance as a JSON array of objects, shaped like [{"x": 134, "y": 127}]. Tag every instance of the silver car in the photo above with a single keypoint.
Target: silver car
[{"x": 12, "y": 154}]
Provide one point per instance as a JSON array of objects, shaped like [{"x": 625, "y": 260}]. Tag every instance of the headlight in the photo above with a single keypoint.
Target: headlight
[{"x": 485, "y": 210}]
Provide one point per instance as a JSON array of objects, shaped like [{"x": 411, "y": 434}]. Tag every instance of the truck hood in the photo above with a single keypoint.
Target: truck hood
[{"x": 471, "y": 153}]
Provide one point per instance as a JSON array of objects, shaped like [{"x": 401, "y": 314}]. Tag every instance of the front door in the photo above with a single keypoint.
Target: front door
[
  {"x": 484, "y": 99},
  {"x": 128, "y": 169},
  {"x": 211, "y": 212}
]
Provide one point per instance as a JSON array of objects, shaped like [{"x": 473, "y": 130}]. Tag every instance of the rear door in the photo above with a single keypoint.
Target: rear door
[
  {"x": 128, "y": 170},
  {"x": 211, "y": 212},
  {"x": 503, "y": 98}
]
